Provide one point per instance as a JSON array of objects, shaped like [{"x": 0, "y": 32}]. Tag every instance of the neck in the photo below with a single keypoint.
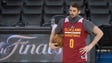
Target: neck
[{"x": 74, "y": 17}]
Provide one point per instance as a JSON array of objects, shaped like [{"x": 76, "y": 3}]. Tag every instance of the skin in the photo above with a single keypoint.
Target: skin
[{"x": 73, "y": 12}]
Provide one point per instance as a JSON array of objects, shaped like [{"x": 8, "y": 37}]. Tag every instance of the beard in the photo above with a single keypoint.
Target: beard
[{"x": 72, "y": 15}]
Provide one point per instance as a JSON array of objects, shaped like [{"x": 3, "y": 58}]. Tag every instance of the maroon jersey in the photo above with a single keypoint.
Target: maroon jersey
[{"x": 74, "y": 39}]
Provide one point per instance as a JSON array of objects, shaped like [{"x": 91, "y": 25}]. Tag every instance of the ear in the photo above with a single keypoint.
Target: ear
[{"x": 79, "y": 12}]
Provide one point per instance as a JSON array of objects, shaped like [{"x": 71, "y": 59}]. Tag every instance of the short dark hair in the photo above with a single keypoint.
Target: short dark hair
[{"x": 76, "y": 5}]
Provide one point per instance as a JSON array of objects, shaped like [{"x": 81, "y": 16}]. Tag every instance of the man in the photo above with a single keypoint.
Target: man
[{"x": 75, "y": 30}]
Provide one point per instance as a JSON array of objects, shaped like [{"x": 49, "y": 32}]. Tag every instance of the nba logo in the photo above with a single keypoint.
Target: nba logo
[{"x": 84, "y": 57}]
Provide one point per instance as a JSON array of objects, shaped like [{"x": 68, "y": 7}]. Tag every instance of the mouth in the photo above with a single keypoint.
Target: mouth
[{"x": 71, "y": 15}]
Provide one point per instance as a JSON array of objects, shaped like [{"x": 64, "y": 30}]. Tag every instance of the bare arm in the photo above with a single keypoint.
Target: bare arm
[
  {"x": 98, "y": 34},
  {"x": 52, "y": 45},
  {"x": 52, "y": 34}
]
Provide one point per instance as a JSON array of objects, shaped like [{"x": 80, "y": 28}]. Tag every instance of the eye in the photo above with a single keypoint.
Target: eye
[
  {"x": 74, "y": 10},
  {"x": 70, "y": 10}
]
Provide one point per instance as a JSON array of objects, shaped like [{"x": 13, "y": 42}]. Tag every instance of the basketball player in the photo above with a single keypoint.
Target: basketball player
[{"x": 75, "y": 30}]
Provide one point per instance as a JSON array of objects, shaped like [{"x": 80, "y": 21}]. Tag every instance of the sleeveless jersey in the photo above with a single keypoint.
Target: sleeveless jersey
[{"x": 74, "y": 39}]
